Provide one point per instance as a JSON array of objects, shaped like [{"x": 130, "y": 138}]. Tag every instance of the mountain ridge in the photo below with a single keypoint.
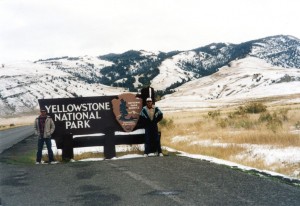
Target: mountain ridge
[{"x": 23, "y": 83}]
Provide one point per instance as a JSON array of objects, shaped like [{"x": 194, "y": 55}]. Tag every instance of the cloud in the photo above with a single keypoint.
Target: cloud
[{"x": 36, "y": 29}]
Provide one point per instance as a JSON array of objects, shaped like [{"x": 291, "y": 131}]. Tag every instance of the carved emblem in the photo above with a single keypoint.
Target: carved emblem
[{"x": 127, "y": 110}]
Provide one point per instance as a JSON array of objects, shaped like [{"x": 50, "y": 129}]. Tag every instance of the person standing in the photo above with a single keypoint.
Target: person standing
[
  {"x": 150, "y": 116},
  {"x": 44, "y": 128}
]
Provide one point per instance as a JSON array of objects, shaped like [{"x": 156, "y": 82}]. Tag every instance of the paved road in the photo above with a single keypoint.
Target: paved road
[
  {"x": 167, "y": 181},
  {"x": 12, "y": 136}
]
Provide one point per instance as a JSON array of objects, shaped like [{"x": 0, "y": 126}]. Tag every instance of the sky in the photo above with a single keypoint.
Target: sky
[{"x": 41, "y": 29}]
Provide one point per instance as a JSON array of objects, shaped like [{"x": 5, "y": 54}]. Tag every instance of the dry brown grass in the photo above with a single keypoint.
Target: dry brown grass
[
  {"x": 204, "y": 132},
  {"x": 10, "y": 126},
  {"x": 88, "y": 155},
  {"x": 9, "y": 122}
]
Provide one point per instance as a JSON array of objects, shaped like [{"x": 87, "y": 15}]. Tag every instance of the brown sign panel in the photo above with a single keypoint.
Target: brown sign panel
[{"x": 127, "y": 108}]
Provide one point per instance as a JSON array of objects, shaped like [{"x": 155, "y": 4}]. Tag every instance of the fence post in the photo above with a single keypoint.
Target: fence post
[
  {"x": 67, "y": 147},
  {"x": 109, "y": 144}
]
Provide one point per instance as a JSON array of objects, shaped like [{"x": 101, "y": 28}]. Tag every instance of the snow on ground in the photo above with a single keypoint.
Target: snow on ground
[
  {"x": 270, "y": 154},
  {"x": 242, "y": 167}
]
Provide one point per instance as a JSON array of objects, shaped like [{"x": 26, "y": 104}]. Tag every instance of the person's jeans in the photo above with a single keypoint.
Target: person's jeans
[
  {"x": 40, "y": 148},
  {"x": 152, "y": 140}
]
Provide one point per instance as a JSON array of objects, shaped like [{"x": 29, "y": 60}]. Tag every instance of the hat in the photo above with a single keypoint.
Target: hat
[
  {"x": 148, "y": 99},
  {"x": 43, "y": 110}
]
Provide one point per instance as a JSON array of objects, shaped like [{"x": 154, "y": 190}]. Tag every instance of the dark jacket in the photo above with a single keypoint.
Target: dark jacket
[{"x": 145, "y": 119}]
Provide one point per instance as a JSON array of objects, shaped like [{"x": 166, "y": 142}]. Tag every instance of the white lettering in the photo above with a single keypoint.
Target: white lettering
[
  {"x": 92, "y": 116},
  {"x": 64, "y": 118},
  {"x": 68, "y": 124},
  {"x": 77, "y": 107},
  {"x": 48, "y": 108},
  {"x": 84, "y": 107},
  {"x": 86, "y": 124},
  {"x": 78, "y": 116},
  {"x": 54, "y": 108},
  {"x": 97, "y": 115},
  {"x": 73, "y": 125},
  {"x": 85, "y": 115},
  {"x": 77, "y": 124},
  {"x": 57, "y": 117},
  {"x": 107, "y": 106},
  {"x": 70, "y": 107}
]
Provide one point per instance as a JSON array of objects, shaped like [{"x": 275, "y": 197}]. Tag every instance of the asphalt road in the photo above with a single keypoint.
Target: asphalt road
[
  {"x": 170, "y": 180},
  {"x": 12, "y": 136}
]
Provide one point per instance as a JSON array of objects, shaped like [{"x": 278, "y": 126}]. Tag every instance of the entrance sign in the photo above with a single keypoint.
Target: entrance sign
[{"x": 103, "y": 115}]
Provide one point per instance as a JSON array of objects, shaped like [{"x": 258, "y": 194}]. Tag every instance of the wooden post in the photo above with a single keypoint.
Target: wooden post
[
  {"x": 67, "y": 147},
  {"x": 109, "y": 145}
]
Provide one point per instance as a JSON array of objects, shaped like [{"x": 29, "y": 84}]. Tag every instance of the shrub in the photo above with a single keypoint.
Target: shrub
[
  {"x": 273, "y": 121},
  {"x": 223, "y": 123},
  {"x": 255, "y": 107},
  {"x": 240, "y": 112},
  {"x": 265, "y": 117},
  {"x": 283, "y": 113},
  {"x": 246, "y": 124},
  {"x": 241, "y": 122},
  {"x": 274, "y": 124},
  {"x": 214, "y": 114},
  {"x": 297, "y": 125},
  {"x": 165, "y": 122}
]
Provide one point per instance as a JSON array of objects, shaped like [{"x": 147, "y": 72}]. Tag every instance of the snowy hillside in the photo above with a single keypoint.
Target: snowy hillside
[
  {"x": 212, "y": 75},
  {"x": 282, "y": 51},
  {"x": 23, "y": 83},
  {"x": 87, "y": 68},
  {"x": 170, "y": 71},
  {"x": 166, "y": 71},
  {"x": 243, "y": 80}
]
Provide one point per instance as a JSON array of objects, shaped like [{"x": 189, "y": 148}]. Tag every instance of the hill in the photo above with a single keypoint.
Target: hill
[
  {"x": 214, "y": 74},
  {"x": 248, "y": 79}
]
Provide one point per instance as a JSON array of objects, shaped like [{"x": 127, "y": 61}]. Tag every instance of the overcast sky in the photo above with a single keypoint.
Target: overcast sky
[{"x": 39, "y": 29}]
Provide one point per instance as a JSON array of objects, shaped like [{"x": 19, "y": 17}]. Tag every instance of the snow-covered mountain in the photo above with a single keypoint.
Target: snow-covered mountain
[
  {"x": 247, "y": 79},
  {"x": 212, "y": 73},
  {"x": 166, "y": 71},
  {"x": 23, "y": 83},
  {"x": 283, "y": 51}
]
